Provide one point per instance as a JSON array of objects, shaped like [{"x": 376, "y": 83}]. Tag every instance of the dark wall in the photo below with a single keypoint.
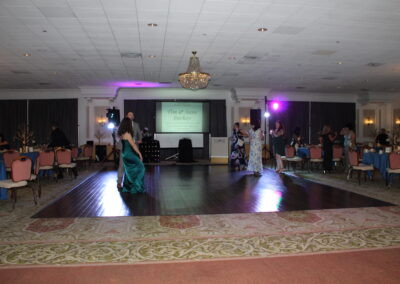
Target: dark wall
[
  {"x": 292, "y": 115},
  {"x": 64, "y": 112},
  {"x": 13, "y": 115}
]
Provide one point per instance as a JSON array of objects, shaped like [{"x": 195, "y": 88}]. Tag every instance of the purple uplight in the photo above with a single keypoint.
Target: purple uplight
[
  {"x": 139, "y": 84},
  {"x": 275, "y": 105}
]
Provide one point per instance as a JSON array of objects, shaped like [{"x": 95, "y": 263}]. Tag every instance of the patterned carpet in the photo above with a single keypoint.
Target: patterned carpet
[{"x": 26, "y": 241}]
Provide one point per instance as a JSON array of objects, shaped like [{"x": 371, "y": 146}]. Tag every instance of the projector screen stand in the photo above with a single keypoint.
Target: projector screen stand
[{"x": 174, "y": 156}]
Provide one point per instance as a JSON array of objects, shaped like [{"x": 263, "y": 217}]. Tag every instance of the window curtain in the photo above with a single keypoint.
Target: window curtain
[
  {"x": 13, "y": 116},
  {"x": 337, "y": 115},
  {"x": 145, "y": 113},
  {"x": 292, "y": 115},
  {"x": 218, "y": 118},
  {"x": 64, "y": 112}
]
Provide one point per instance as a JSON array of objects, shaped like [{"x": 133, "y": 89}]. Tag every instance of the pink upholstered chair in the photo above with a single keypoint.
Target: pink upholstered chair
[
  {"x": 20, "y": 176},
  {"x": 394, "y": 167},
  {"x": 44, "y": 162},
  {"x": 74, "y": 153},
  {"x": 337, "y": 155},
  {"x": 86, "y": 155},
  {"x": 64, "y": 161},
  {"x": 355, "y": 165},
  {"x": 9, "y": 156},
  {"x": 290, "y": 157},
  {"x": 315, "y": 156}
]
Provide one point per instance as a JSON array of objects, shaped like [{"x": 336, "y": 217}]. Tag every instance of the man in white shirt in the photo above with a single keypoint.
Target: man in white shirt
[{"x": 137, "y": 136}]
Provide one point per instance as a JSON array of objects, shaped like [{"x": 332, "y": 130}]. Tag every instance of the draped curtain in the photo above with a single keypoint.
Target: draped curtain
[
  {"x": 13, "y": 115},
  {"x": 64, "y": 112}
]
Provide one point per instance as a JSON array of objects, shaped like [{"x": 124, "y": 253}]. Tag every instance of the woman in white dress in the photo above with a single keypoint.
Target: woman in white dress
[{"x": 255, "y": 160}]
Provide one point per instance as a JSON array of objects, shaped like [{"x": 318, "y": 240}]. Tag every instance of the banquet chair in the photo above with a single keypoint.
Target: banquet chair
[
  {"x": 20, "y": 177},
  {"x": 337, "y": 155},
  {"x": 64, "y": 161},
  {"x": 9, "y": 156},
  {"x": 315, "y": 157},
  {"x": 86, "y": 155},
  {"x": 355, "y": 165},
  {"x": 44, "y": 162},
  {"x": 74, "y": 153},
  {"x": 394, "y": 167},
  {"x": 290, "y": 157}
]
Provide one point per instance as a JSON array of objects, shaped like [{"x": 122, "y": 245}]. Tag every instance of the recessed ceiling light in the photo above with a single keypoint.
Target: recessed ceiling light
[
  {"x": 339, "y": 62},
  {"x": 262, "y": 29},
  {"x": 44, "y": 31},
  {"x": 204, "y": 34},
  {"x": 151, "y": 56},
  {"x": 338, "y": 87},
  {"x": 26, "y": 54},
  {"x": 152, "y": 24}
]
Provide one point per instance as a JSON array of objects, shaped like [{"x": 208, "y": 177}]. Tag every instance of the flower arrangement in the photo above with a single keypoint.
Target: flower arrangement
[{"x": 24, "y": 136}]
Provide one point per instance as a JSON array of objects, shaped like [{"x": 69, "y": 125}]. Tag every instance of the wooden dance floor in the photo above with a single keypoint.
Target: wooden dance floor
[{"x": 184, "y": 190}]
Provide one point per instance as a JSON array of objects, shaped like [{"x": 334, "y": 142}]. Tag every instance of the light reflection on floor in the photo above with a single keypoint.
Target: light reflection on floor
[{"x": 111, "y": 203}]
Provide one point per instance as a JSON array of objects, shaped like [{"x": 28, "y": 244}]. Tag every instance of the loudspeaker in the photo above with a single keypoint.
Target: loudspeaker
[{"x": 255, "y": 116}]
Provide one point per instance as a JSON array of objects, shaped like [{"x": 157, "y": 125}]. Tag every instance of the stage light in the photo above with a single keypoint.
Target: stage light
[
  {"x": 111, "y": 125},
  {"x": 275, "y": 106},
  {"x": 267, "y": 114}
]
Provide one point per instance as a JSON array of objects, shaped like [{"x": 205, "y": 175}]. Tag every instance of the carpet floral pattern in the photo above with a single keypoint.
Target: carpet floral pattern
[{"x": 64, "y": 241}]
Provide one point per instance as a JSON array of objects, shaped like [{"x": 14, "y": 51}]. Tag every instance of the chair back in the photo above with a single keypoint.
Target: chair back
[
  {"x": 9, "y": 156},
  {"x": 353, "y": 158},
  {"x": 21, "y": 169},
  {"x": 315, "y": 153},
  {"x": 394, "y": 161},
  {"x": 63, "y": 156},
  {"x": 87, "y": 151},
  {"x": 337, "y": 152},
  {"x": 46, "y": 158},
  {"x": 74, "y": 153},
  {"x": 289, "y": 151}
]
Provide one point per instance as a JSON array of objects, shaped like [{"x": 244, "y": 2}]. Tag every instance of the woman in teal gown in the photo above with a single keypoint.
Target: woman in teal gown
[{"x": 132, "y": 159}]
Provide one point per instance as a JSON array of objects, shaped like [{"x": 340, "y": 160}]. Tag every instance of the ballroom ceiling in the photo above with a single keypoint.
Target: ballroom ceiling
[{"x": 309, "y": 45}]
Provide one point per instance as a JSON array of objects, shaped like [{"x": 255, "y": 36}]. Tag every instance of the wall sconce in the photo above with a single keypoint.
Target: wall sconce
[
  {"x": 368, "y": 121},
  {"x": 102, "y": 120},
  {"x": 245, "y": 120},
  {"x": 397, "y": 121}
]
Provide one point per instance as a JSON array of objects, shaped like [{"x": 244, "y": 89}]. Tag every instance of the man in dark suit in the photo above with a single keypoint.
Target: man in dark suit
[{"x": 58, "y": 138}]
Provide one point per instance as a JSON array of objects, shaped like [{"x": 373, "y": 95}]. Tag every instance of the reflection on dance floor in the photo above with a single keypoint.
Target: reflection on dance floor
[{"x": 185, "y": 190}]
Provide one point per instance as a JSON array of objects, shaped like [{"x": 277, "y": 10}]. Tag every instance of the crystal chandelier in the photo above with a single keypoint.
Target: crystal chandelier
[{"x": 193, "y": 78}]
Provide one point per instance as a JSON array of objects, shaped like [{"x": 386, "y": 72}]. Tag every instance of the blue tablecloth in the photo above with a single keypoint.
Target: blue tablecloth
[
  {"x": 379, "y": 161},
  {"x": 3, "y": 175},
  {"x": 303, "y": 152}
]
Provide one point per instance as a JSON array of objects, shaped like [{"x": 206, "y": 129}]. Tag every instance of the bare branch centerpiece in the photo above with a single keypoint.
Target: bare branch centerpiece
[{"x": 24, "y": 137}]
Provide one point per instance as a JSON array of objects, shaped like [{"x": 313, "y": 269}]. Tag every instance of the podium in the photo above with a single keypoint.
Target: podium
[{"x": 185, "y": 151}]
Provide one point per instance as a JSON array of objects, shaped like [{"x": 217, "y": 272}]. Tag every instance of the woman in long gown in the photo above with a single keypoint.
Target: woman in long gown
[
  {"x": 279, "y": 144},
  {"x": 238, "y": 152},
  {"x": 132, "y": 159},
  {"x": 255, "y": 160}
]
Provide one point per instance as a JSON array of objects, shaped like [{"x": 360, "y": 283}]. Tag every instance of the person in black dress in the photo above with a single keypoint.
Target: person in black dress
[
  {"x": 326, "y": 139},
  {"x": 382, "y": 138},
  {"x": 238, "y": 152}
]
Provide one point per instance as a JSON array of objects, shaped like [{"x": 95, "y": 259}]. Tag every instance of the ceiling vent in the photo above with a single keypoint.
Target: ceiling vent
[
  {"x": 328, "y": 78},
  {"x": 44, "y": 84},
  {"x": 21, "y": 72},
  {"x": 374, "y": 64},
  {"x": 300, "y": 87},
  {"x": 131, "y": 55},
  {"x": 324, "y": 52},
  {"x": 288, "y": 30}
]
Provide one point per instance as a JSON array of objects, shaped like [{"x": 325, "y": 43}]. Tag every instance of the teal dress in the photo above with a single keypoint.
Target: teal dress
[{"x": 134, "y": 169}]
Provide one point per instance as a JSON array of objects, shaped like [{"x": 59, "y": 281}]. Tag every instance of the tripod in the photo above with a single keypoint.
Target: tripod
[{"x": 114, "y": 151}]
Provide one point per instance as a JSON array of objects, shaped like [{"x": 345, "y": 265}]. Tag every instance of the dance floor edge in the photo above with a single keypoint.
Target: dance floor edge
[{"x": 200, "y": 189}]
